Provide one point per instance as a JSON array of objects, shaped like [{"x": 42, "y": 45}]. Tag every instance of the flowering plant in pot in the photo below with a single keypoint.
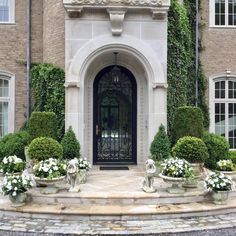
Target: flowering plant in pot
[
  {"x": 227, "y": 167},
  {"x": 49, "y": 172},
  {"x": 16, "y": 186},
  {"x": 175, "y": 171},
  {"x": 220, "y": 185},
  {"x": 194, "y": 151},
  {"x": 84, "y": 166},
  {"x": 12, "y": 164}
]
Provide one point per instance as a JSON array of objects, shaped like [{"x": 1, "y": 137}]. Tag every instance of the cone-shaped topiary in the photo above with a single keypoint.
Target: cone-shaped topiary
[
  {"x": 160, "y": 146},
  {"x": 71, "y": 146}
]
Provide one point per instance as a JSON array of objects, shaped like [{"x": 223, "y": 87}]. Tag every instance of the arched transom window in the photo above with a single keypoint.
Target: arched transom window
[{"x": 225, "y": 109}]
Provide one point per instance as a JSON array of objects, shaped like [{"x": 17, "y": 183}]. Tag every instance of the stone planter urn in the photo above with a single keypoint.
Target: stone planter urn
[
  {"x": 50, "y": 184},
  {"x": 220, "y": 197},
  {"x": 82, "y": 176},
  {"x": 176, "y": 184},
  {"x": 231, "y": 174},
  {"x": 19, "y": 200}
]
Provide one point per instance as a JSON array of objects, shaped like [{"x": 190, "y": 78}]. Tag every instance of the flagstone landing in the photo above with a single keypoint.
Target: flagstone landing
[{"x": 118, "y": 194}]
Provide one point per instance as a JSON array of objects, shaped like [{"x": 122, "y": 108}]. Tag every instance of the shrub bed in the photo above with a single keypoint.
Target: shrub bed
[{"x": 218, "y": 148}]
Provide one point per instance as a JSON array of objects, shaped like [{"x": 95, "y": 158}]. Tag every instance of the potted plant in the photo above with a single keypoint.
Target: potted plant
[
  {"x": 13, "y": 165},
  {"x": 84, "y": 166},
  {"x": 194, "y": 151},
  {"x": 227, "y": 167},
  {"x": 16, "y": 186},
  {"x": 220, "y": 185},
  {"x": 175, "y": 171},
  {"x": 49, "y": 172}
]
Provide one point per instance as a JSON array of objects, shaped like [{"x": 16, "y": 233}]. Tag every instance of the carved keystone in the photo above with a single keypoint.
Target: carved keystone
[{"x": 116, "y": 18}]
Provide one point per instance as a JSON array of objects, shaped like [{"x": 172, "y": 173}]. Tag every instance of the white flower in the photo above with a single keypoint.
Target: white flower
[{"x": 14, "y": 193}]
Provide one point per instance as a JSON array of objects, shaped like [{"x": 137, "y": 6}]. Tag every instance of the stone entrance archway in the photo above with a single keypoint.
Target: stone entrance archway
[
  {"x": 151, "y": 89},
  {"x": 137, "y": 30}
]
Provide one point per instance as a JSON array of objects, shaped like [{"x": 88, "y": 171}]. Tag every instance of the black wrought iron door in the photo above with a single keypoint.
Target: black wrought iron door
[{"x": 115, "y": 117}]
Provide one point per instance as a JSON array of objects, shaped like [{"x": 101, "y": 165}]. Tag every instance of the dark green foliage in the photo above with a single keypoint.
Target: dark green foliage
[
  {"x": 191, "y": 149},
  {"x": 181, "y": 61},
  {"x": 43, "y": 148},
  {"x": 160, "y": 146},
  {"x": 188, "y": 121},
  {"x": 47, "y": 83},
  {"x": 232, "y": 156},
  {"x": 71, "y": 146},
  {"x": 218, "y": 148},
  {"x": 14, "y": 144},
  {"x": 42, "y": 124},
  {"x": 180, "y": 54}
]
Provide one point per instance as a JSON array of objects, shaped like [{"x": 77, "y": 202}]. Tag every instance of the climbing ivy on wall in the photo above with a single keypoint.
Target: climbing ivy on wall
[
  {"x": 202, "y": 85},
  {"x": 48, "y": 92},
  {"x": 181, "y": 61}
]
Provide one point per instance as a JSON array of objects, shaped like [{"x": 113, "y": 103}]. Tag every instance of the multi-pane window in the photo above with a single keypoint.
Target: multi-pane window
[
  {"x": 4, "y": 105},
  {"x": 225, "y": 109},
  {"x": 7, "y": 11},
  {"x": 224, "y": 12}
]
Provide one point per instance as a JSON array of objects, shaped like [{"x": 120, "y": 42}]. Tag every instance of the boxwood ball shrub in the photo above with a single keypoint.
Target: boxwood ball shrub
[
  {"x": 43, "y": 148},
  {"x": 188, "y": 121},
  {"x": 14, "y": 144},
  {"x": 71, "y": 146},
  {"x": 218, "y": 148},
  {"x": 191, "y": 149},
  {"x": 160, "y": 146},
  {"x": 43, "y": 124}
]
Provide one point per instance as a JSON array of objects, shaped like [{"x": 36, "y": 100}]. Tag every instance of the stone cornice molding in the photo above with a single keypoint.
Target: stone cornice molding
[
  {"x": 72, "y": 84},
  {"x": 158, "y": 8},
  {"x": 159, "y": 85}
]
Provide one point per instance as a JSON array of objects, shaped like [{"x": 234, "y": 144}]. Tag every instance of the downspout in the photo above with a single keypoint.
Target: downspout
[
  {"x": 196, "y": 53},
  {"x": 28, "y": 59}
]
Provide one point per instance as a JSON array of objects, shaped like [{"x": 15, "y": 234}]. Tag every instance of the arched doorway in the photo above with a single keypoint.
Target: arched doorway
[{"x": 115, "y": 117}]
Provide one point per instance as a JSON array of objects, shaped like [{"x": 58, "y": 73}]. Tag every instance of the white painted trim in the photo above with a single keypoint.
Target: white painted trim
[
  {"x": 226, "y": 76},
  {"x": 11, "y": 113},
  {"x": 212, "y": 16},
  {"x": 12, "y": 13}
]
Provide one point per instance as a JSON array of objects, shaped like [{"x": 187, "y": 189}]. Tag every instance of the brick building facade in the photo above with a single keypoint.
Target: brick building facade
[{"x": 57, "y": 38}]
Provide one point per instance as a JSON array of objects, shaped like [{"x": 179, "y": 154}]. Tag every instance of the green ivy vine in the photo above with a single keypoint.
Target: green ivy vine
[
  {"x": 181, "y": 61},
  {"x": 48, "y": 92}
]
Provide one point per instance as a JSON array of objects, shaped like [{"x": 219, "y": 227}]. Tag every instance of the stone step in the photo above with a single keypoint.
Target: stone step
[
  {"x": 116, "y": 212},
  {"x": 161, "y": 197}
]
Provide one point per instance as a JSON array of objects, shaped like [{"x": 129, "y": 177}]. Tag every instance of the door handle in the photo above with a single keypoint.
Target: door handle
[{"x": 97, "y": 130}]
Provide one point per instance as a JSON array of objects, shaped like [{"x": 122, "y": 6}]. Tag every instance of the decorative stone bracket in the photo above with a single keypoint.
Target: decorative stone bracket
[
  {"x": 160, "y": 85},
  {"x": 116, "y": 18}
]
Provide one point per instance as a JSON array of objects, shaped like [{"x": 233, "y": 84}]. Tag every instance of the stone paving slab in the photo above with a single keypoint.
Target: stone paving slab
[{"x": 28, "y": 226}]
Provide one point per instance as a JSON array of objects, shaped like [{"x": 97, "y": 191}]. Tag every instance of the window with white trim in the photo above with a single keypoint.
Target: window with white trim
[
  {"x": 6, "y": 104},
  {"x": 225, "y": 109},
  {"x": 223, "y": 13},
  {"x": 7, "y": 11}
]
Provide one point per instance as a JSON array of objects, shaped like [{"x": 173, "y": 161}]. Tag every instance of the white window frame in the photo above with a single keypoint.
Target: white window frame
[
  {"x": 11, "y": 13},
  {"x": 212, "y": 16},
  {"x": 227, "y": 76},
  {"x": 11, "y": 99}
]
